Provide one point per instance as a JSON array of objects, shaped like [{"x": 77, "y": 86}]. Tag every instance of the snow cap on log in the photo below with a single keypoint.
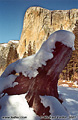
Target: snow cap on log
[{"x": 28, "y": 66}]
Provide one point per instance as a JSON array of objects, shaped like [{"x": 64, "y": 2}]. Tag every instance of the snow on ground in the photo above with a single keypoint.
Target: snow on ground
[
  {"x": 29, "y": 65},
  {"x": 71, "y": 99},
  {"x": 17, "y": 106},
  {"x": 56, "y": 109}
]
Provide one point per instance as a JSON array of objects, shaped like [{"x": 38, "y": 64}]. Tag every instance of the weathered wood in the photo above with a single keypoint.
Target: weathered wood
[{"x": 45, "y": 83}]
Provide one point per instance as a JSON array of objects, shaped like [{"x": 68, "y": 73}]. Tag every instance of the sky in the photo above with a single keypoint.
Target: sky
[{"x": 12, "y": 14}]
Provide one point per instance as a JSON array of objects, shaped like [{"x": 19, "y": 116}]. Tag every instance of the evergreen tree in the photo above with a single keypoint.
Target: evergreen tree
[
  {"x": 34, "y": 48},
  {"x": 25, "y": 53},
  {"x": 75, "y": 53},
  {"x": 12, "y": 55},
  {"x": 72, "y": 66},
  {"x": 61, "y": 28},
  {"x": 69, "y": 14},
  {"x": 29, "y": 49}
]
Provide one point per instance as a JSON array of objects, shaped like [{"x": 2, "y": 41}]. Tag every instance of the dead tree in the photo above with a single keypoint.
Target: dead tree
[{"x": 45, "y": 83}]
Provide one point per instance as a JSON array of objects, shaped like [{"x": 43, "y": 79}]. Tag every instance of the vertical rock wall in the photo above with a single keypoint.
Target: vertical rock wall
[
  {"x": 8, "y": 54},
  {"x": 39, "y": 23}
]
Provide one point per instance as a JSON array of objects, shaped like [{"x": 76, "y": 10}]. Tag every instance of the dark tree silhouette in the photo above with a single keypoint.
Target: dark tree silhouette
[
  {"x": 72, "y": 67},
  {"x": 34, "y": 48},
  {"x": 29, "y": 49}
]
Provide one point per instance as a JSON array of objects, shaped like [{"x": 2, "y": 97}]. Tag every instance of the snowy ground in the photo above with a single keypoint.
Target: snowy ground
[
  {"x": 71, "y": 100},
  {"x": 16, "y": 105}
]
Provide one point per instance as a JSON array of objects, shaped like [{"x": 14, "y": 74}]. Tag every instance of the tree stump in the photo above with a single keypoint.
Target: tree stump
[{"x": 45, "y": 83}]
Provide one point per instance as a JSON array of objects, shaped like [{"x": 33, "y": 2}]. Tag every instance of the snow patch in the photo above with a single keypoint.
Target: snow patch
[
  {"x": 75, "y": 83},
  {"x": 4, "y": 44},
  {"x": 71, "y": 100},
  {"x": 62, "y": 97},
  {"x": 16, "y": 106},
  {"x": 65, "y": 85},
  {"x": 56, "y": 108},
  {"x": 14, "y": 41},
  {"x": 6, "y": 82}
]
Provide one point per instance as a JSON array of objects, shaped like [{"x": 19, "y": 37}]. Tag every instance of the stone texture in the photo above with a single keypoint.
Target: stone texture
[
  {"x": 8, "y": 54},
  {"x": 39, "y": 23}
]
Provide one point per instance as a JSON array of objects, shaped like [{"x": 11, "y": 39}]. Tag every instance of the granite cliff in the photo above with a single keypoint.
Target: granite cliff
[
  {"x": 39, "y": 23},
  {"x": 8, "y": 54}
]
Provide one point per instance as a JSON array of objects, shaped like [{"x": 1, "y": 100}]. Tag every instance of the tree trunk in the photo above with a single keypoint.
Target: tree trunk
[{"x": 45, "y": 83}]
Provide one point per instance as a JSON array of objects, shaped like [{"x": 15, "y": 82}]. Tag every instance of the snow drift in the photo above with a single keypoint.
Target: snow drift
[{"x": 16, "y": 105}]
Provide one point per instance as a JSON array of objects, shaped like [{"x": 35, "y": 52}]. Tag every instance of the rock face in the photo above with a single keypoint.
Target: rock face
[
  {"x": 8, "y": 54},
  {"x": 39, "y": 23}
]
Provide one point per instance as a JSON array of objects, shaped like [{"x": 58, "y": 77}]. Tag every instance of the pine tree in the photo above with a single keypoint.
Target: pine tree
[
  {"x": 12, "y": 55},
  {"x": 75, "y": 53},
  {"x": 34, "y": 48},
  {"x": 61, "y": 28},
  {"x": 29, "y": 49},
  {"x": 69, "y": 14},
  {"x": 25, "y": 53},
  {"x": 72, "y": 66}
]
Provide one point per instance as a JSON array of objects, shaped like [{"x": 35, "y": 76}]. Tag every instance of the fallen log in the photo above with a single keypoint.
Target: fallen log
[{"x": 45, "y": 83}]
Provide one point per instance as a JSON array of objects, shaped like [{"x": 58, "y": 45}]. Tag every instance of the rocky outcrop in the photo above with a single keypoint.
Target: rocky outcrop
[
  {"x": 8, "y": 54},
  {"x": 39, "y": 23}
]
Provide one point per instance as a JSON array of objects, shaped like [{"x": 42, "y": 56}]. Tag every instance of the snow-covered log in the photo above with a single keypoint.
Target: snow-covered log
[{"x": 39, "y": 74}]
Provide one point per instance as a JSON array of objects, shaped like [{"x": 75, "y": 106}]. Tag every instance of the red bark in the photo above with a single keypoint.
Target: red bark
[{"x": 45, "y": 83}]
